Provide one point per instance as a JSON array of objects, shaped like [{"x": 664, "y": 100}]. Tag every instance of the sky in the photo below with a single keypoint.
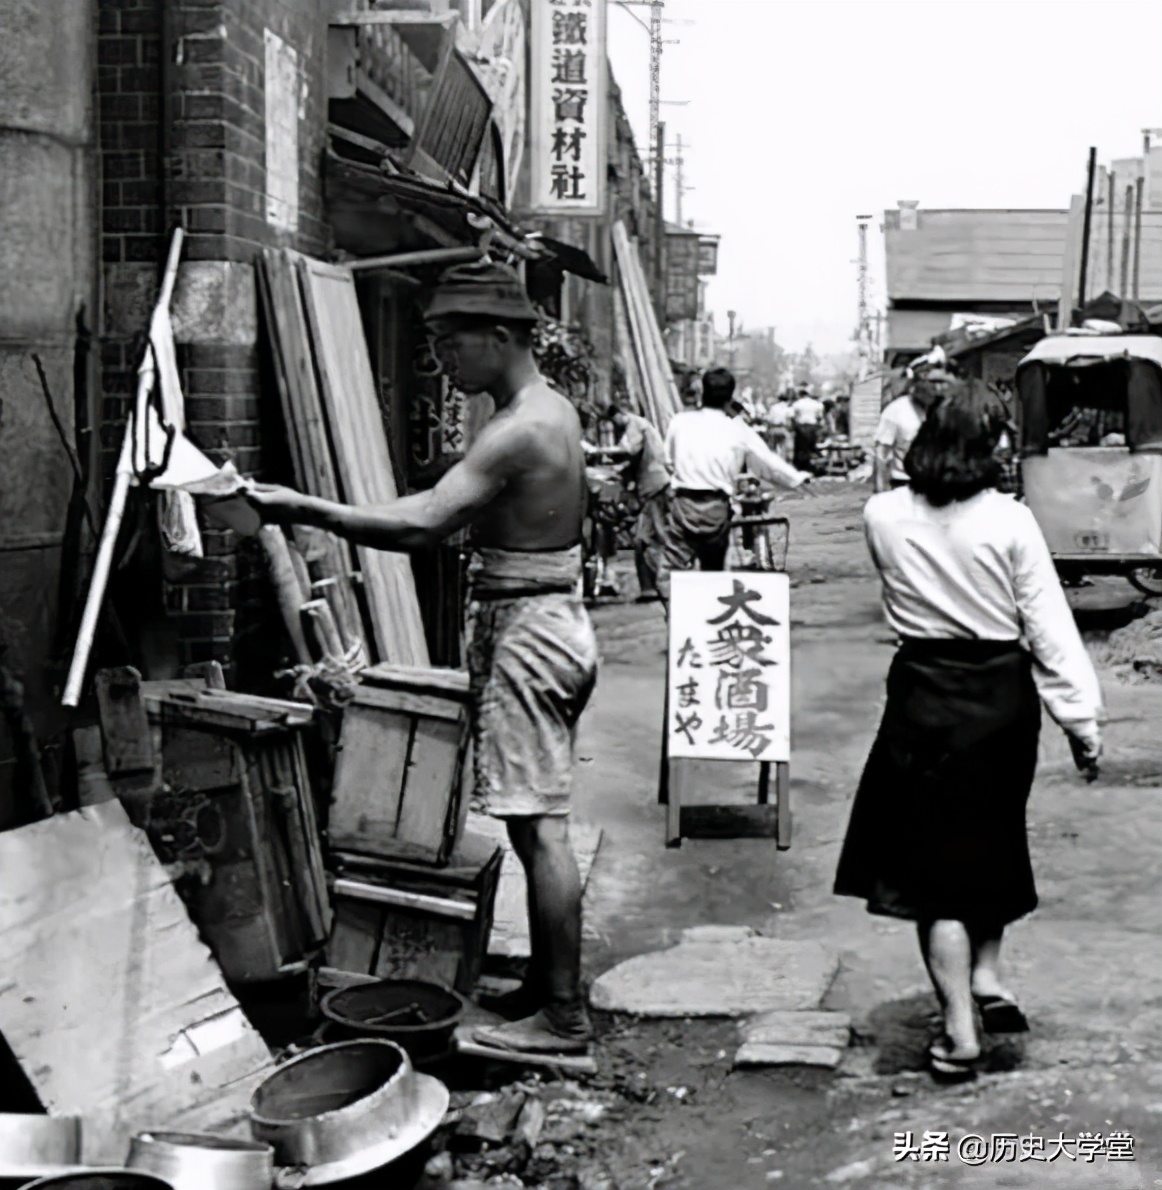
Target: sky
[{"x": 803, "y": 114}]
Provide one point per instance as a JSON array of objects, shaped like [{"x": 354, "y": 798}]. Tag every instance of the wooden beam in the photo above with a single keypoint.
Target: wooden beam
[
  {"x": 401, "y": 260},
  {"x": 397, "y": 17},
  {"x": 397, "y": 897}
]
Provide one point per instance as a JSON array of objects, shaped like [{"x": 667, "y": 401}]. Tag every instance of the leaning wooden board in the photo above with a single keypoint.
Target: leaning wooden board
[
  {"x": 109, "y": 1000},
  {"x": 328, "y": 558},
  {"x": 362, "y": 456}
]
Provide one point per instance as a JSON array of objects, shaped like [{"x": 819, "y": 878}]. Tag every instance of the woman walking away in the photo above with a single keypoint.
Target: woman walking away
[{"x": 937, "y": 832}]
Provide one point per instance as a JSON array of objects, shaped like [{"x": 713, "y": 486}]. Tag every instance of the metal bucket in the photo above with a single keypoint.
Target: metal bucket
[
  {"x": 33, "y": 1146},
  {"x": 101, "y": 1179},
  {"x": 195, "y": 1161},
  {"x": 419, "y": 1016}
]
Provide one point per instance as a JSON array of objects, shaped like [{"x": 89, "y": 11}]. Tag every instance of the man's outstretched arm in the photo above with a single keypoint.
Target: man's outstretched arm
[{"x": 412, "y": 522}]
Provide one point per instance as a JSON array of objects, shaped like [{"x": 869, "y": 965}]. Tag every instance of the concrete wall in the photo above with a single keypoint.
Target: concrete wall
[{"x": 47, "y": 261}]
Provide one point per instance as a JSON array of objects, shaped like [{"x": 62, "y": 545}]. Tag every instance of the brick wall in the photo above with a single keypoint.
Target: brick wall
[{"x": 183, "y": 136}]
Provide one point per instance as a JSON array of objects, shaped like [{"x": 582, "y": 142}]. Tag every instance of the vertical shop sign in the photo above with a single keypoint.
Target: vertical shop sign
[
  {"x": 282, "y": 134},
  {"x": 730, "y": 666},
  {"x": 568, "y": 117}
]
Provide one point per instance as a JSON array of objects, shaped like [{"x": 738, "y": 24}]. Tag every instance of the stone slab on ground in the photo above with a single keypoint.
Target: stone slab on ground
[
  {"x": 757, "y": 1054},
  {"x": 797, "y": 1028},
  {"x": 510, "y": 925},
  {"x": 731, "y": 978}
]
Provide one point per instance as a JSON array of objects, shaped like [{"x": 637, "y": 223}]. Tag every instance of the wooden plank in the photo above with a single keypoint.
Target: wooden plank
[
  {"x": 575, "y": 1063},
  {"x": 431, "y": 804},
  {"x": 377, "y": 894},
  {"x": 125, "y": 735},
  {"x": 416, "y": 946},
  {"x": 453, "y": 682},
  {"x": 369, "y": 777},
  {"x": 784, "y": 816},
  {"x": 678, "y": 786},
  {"x": 327, "y": 556},
  {"x": 423, "y": 705},
  {"x": 355, "y": 934},
  {"x": 110, "y": 1001},
  {"x": 729, "y": 822},
  {"x": 363, "y": 459}
]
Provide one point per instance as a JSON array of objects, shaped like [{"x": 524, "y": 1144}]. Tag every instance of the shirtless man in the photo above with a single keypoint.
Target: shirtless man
[{"x": 533, "y": 655}]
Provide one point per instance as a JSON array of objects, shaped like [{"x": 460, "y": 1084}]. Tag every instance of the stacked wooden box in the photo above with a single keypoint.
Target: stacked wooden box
[
  {"x": 222, "y": 791},
  {"x": 413, "y": 896}
]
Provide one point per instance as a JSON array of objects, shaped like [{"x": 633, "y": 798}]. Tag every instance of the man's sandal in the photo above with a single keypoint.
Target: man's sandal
[{"x": 1001, "y": 1015}]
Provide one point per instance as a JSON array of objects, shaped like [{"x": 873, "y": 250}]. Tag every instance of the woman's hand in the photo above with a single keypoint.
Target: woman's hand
[
  {"x": 278, "y": 505},
  {"x": 1085, "y": 743}
]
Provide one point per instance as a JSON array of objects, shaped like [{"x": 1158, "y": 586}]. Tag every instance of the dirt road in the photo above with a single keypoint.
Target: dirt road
[{"x": 1087, "y": 965}]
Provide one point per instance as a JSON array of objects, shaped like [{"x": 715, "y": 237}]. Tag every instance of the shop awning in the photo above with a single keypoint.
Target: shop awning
[{"x": 375, "y": 213}]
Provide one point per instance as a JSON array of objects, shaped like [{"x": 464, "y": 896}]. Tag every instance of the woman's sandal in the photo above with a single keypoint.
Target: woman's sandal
[
  {"x": 1001, "y": 1015},
  {"x": 946, "y": 1067}
]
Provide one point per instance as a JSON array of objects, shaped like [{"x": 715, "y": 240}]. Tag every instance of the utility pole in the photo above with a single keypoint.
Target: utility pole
[
  {"x": 656, "y": 43},
  {"x": 864, "y": 330},
  {"x": 680, "y": 186}
]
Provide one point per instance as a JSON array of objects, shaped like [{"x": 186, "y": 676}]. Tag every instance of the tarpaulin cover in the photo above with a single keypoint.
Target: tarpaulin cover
[{"x": 1096, "y": 500}]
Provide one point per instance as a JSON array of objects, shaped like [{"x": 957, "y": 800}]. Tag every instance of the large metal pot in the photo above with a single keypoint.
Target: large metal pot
[
  {"x": 32, "y": 1146},
  {"x": 194, "y": 1161},
  {"x": 343, "y": 1110},
  {"x": 101, "y": 1179}
]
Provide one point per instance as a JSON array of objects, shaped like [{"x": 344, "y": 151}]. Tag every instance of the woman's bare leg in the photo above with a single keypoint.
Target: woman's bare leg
[
  {"x": 947, "y": 951},
  {"x": 986, "y": 963}
]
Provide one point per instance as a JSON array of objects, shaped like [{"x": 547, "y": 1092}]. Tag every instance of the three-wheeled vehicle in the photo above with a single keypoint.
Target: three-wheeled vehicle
[{"x": 1090, "y": 415}]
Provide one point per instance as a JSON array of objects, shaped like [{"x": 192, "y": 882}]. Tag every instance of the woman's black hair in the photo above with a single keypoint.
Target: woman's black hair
[{"x": 954, "y": 454}]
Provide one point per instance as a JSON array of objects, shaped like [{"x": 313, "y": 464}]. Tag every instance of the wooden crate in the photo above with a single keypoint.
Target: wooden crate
[
  {"x": 232, "y": 813},
  {"x": 395, "y": 920},
  {"x": 397, "y": 791}
]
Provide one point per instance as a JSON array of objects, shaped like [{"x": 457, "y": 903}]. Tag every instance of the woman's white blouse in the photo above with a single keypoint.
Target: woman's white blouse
[{"x": 980, "y": 568}]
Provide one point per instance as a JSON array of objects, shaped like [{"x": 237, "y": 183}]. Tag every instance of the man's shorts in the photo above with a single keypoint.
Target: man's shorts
[{"x": 532, "y": 664}]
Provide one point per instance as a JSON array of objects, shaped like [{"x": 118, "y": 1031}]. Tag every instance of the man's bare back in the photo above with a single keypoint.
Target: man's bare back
[{"x": 542, "y": 504}]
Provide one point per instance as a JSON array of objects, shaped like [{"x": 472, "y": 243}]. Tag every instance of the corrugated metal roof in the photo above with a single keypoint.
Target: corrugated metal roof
[{"x": 975, "y": 256}]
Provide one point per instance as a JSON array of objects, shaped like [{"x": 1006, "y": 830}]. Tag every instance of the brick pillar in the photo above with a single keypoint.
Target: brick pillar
[{"x": 211, "y": 173}]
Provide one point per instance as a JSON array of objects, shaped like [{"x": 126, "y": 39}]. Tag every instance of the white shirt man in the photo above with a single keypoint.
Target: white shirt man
[
  {"x": 707, "y": 451},
  {"x": 807, "y": 411},
  {"x": 899, "y": 424}
]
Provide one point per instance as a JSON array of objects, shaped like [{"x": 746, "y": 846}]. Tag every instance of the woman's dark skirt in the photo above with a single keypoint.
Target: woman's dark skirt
[{"x": 937, "y": 828}]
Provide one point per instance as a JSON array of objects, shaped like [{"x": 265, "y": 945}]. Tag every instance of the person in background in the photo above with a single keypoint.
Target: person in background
[
  {"x": 806, "y": 423},
  {"x": 707, "y": 451},
  {"x": 843, "y": 416},
  {"x": 651, "y": 477},
  {"x": 778, "y": 425},
  {"x": 532, "y": 658},
  {"x": 899, "y": 424},
  {"x": 937, "y": 832}
]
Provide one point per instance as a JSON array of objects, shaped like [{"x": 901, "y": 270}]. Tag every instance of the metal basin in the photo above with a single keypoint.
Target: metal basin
[
  {"x": 417, "y": 1015},
  {"x": 33, "y": 1146},
  {"x": 101, "y": 1179},
  {"x": 342, "y": 1110},
  {"x": 195, "y": 1161}
]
